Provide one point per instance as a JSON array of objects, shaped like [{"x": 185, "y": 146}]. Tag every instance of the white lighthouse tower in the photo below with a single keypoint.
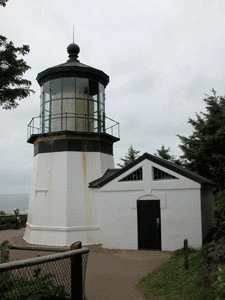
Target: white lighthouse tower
[{"x": 72, "y": 147}]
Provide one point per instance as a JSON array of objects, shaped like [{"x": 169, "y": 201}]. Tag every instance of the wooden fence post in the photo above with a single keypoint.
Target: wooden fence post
[
  {"x": 76, "y": 274},
  {"x": 4, "y": 252},
  {"x": 186, "y": 254}
]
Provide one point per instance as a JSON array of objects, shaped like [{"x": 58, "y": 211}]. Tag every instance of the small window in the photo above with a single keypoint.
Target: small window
[
  {"x": 161, "y": 175},
  {"x": 136, "y": 175}
]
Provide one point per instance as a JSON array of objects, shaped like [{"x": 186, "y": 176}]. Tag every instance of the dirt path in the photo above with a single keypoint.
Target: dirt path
[{"x": 111, "y": 274}]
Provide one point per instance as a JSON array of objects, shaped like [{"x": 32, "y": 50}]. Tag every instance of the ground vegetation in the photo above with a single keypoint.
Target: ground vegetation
[{"x": 172, "y": 281}]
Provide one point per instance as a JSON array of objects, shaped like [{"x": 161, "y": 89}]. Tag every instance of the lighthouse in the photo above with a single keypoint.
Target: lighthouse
[{"x": 73, "y": 145}]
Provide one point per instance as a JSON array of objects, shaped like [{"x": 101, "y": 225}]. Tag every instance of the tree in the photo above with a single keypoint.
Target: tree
[
  {"x": 129, "y": 157},
  {"x": 204, "y": 150},
  {"x": 3, "y": 2},
  {"x": 12, "y": 85},
  {"x": 165, "y": 154}
]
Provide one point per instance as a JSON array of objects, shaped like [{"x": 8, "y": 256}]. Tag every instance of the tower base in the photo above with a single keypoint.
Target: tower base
[{"x": 62, "y": 209}]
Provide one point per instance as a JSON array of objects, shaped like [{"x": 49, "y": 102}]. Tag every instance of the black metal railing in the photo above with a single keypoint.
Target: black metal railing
[
  {"x": 44, "y": 272},
  {"x": 72, "y": 122}
]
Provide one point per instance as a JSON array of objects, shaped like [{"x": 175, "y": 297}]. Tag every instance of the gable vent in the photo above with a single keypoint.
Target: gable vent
[
  {"x": 161, "y": 175},
  {"x": 136, "y": 175}
]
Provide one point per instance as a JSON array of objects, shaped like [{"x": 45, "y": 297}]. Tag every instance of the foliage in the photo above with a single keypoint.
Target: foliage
[
  {"x": 3, "y": 2},
  {"x": 9, "y": 221},
  {"x": 131, "y": 156},
  {"x": 2, "y": 213},
  {"x": 4, "y": 251},
  {"x": 172, "y": 281},
  {"x": 37, "y": 288},
  {"x": 6, "y": 283},
  {"x": 165, "y": 154},
  {"x": 203, "y": 151},
  {"x": 219, "y": 285},
  {"x": 219, "y": 201},
  {"x": 13, "y": 86}
]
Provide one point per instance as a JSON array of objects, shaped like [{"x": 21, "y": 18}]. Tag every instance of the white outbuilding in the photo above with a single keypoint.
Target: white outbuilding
[
  {"x": 153, "y": 204},
  {"x": 76, "y": 194}
]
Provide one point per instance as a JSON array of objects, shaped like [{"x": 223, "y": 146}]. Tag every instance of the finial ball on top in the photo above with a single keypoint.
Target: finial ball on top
[{"x": 73, "y": 49}]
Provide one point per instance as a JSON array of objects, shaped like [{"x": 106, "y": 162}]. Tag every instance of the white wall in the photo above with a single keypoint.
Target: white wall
[
  {"x": 118, "y": 220},
  {"x": 181, "y": 219},
  {"x": 180, "y": 209},
  {"x": 61, "y": 207}
]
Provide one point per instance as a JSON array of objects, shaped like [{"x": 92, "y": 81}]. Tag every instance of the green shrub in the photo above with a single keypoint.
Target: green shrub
[
  {"x": 4, "y": 252},
  {"x": 9, "y": 221},
  {"x": 37, "y": 288},
  {"x": 6, "y": 283},
  {"x": 219, "y": 285}
]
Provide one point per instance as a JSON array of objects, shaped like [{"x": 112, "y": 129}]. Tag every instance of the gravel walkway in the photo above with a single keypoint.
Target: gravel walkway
[{"x": 111, "y": 274}]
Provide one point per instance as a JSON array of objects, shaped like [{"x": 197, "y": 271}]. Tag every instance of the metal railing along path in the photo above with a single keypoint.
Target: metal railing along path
[{"x": 60, "y": 275}]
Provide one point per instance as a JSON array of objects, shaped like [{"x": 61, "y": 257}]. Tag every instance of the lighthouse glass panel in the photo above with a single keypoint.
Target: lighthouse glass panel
[
  {"x": 93, "y": 105},
  {"x": 68, "y": 102},
  {"x": 74, "y": 104},
  {"x": 46, "y": 107},
  {"x": 56, "y": 95},
  {"x": 101, "y": 107}
]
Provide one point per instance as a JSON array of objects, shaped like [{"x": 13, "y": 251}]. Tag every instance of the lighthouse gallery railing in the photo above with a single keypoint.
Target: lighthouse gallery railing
[{"x": 72, "y": 122}]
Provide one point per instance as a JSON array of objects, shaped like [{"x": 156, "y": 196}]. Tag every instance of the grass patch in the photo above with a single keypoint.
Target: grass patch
[{"x": 171, "y": 281}]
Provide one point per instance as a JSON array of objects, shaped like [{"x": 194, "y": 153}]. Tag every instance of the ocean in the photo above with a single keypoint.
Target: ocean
[{"x": 8, "y": 202}]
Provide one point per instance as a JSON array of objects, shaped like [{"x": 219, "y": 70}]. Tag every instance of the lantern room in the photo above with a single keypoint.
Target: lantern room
[
  {"x": 73, "y": 97},
  {"x": 72, "y": 103}
]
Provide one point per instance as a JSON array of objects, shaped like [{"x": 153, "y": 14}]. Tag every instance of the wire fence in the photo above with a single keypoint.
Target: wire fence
[{"x": 29, "y": 272}]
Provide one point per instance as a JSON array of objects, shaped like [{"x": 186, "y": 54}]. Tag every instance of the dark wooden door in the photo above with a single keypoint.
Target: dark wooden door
[{"x": 149, "y": 224}]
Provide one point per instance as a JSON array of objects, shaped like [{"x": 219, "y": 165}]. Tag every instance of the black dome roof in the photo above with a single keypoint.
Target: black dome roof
[{"x": 72, "y": 68}]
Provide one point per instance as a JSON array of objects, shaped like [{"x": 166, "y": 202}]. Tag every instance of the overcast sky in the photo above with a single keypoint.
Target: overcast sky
[{"x": 162, "y": 58}]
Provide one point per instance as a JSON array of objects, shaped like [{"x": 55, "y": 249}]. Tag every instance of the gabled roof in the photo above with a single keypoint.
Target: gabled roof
[{"x": 111, "y": 174}]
